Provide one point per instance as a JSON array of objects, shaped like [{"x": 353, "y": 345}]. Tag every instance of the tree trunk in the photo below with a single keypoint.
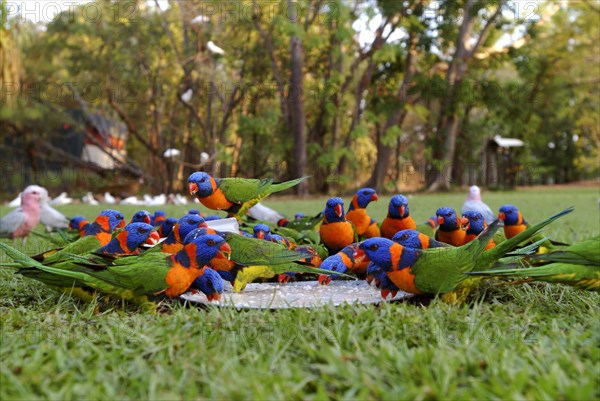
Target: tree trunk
[
  {"x": 296, "y": 108},
  {"x": 448, "y": 121},
  {"x": 384, "y": 152}
]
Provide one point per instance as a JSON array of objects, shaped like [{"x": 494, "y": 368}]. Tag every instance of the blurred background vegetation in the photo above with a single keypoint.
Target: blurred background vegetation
[{"x": 396, "y": 95}]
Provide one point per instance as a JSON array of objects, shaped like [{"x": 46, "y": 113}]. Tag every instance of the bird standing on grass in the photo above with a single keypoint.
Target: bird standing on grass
[
  {"x": 336, "y": 232},
  {"x": 442, "y": 270},
  {"x": 398, "y": 217},
  {"x": 19, "y": 222},
  {"x": 357, "y": 213},
  {"x": 474, "y": 203},
  {"x": 449, "y": 230}
]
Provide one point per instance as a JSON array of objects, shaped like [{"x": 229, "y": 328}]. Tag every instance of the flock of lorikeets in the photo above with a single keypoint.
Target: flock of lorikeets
[{"x": 156, "y": 256}]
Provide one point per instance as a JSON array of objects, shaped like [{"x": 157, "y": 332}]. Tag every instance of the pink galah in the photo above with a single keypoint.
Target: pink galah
[
  {"x": 474, "y": 203},
  {"x": 21, "y": 221}
]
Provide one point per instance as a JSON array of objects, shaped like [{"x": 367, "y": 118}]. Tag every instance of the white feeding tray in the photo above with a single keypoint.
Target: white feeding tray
[{"x": 301, "y": 294}]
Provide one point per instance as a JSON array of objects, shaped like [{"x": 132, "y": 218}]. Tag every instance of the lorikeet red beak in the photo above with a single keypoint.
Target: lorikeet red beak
[
  {"x": 338, "y": 210},
  {"x": 464, "y": 223},
  {"x": 147, "y": 219},
  {"x": 260, "y": 235},
  {"x": 121, "y": 224},
  {"x": 153, "y": 238},
  {"x": 374, "y": 198},
  {"x": 440, "y": 220},
  {"x": 193, "y": 188},
  {"x": 225, "y": 250},
  {"x": 324, "y": 279},
  {"x": 359, "y": 254},
  {"x": 401, "y": 210},
  {"x": 502, "y": 216}
]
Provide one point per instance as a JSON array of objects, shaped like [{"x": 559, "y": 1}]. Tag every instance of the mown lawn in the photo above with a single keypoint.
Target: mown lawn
[{"x": 526, "y": 342}]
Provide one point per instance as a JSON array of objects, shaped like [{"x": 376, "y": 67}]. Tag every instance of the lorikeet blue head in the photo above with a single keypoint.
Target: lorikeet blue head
[
  {"x": 415, "y": 240},
  {"x": 447, "y": 219},
  {"x": 334, "y": 210},
  {"x": 77, "y": 222},
  {"x": 188, "y": 223},
  {"x": 335, "y": 263},
  {"x": 201, "y": 184},
  {"x": 110, "y": 219},
  {"x": 384, "y": 253},
  {"x": 194, "y": 211},
  {"x": 411, "y": 239},
  {"x": 262, "y": 231},
  {"x": 141, "y": 216},
  {"x": 158, "y": 218},
  {"x": 167, "y": 226},
  {"x": 473, "y": 222},
  {"x": 363, "y": 197},
  {"x": 201, "y": 250},
  {"x": 299, "y": 216},
  {"x": 132, "y": 236},
  {"x": 210, "y": 284},
  {"x": 398, "y": 207},
  {"x": 511, "y": 215}
]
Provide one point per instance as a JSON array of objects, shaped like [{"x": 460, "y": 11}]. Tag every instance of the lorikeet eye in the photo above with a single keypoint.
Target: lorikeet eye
[
  {"x": 203, "y": 180},
  {"x": 142, "y": 230},
  {"x": 475, "y": 218},
  {"x": 334, "y": 268},
  {"x": 449, "y": 214},
  {"x": 374, "y": 247},
  {"x": 404, "y": 236},
  {"x": 210, "y": 242}
]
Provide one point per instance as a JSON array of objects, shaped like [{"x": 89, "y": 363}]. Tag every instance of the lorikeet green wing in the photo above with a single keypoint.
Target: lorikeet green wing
[
  {"x": 248, "y": 251},
  {"x": 441, "y": 270},
  {"x": 248, "y": 192}
]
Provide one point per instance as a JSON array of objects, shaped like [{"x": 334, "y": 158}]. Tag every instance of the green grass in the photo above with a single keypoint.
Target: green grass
[{"x": 527, "y": 342}]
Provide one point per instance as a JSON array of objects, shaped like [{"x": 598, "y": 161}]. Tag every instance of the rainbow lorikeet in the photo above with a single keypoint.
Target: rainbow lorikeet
[
  {"x": 442, "y": 270},
  {"x": 449, "y": 230},
  {"x": 234, "y": 195},
  {"x": 344, "y": 261},
  {"x": 137, "y": 277},
  {"x": 357, "y": 212},
  {"x": 514, "y": 223},
  {"x": 428, "y": 227},
  {"x": 158, "y": 218},
  {"x": 126, "y": 242},
  {"x": 577, "y": 265},
  {"x": 77, "y": 223},
  {"x": 416, "y": 240},
  {"x": 254, "y": 258},
  {"x": 398, "y": 217},
  {"x": 210, "y": 284},
  {"x": 174, "y": 241},
  {"x": 141, "y": 216},
  {"x": 95, "y": 235},
  {"x": 336, "y": 232},
  {"x": 474, "y": 223},
  {"x": 165, "y": 228}
]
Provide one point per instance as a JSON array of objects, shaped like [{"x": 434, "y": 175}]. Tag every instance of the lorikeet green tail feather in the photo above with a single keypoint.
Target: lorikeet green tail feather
[
  {"x": 585, "y": 277},
  {"x": 492, "y": 255},
  {"x": 247, "y": 251}
]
